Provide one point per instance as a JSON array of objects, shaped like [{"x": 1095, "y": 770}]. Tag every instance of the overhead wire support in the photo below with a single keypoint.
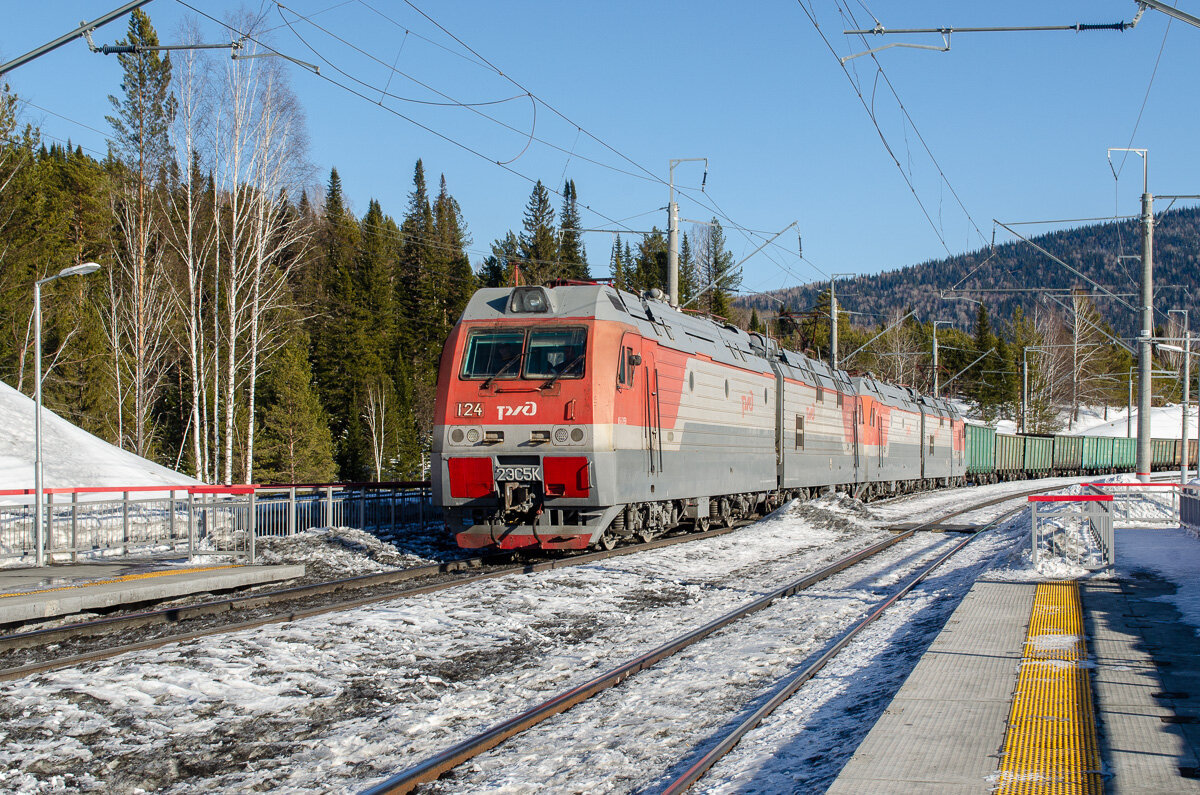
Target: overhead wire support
[
  {"x": 946, "y": 31},
  {"x": 83, "y": 29},
  {"x": 1078, "y": 27}
]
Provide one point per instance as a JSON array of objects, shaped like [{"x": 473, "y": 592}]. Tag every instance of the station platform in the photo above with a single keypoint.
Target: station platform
[
  {"x": 1075, "y": 687},
  {"x": 33, "y": 594}
]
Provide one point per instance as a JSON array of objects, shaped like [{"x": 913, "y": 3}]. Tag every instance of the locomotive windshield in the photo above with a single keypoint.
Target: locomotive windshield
[
  {"x": 493, "y": 353},
  {"x": 547, "y": 353},
  {"x": 555, "y": 353}
]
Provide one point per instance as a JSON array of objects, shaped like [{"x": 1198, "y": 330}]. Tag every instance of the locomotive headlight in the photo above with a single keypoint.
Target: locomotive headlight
[
  {"x": 561, "y": 435},
  {"x": 577, "y": 435},
  {"x": 473, "y": 436},
  {"x": 529, "y": 299},
  {"x": 457, "y": 435}
]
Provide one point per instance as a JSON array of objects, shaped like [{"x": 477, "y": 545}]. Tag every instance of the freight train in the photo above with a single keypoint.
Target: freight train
[{"x": 579, "y": 415}]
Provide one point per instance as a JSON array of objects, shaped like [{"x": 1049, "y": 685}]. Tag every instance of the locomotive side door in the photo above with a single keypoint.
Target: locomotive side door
[
  {"x": 637, "y": 377},
  {"x": 921, "y": 439}
]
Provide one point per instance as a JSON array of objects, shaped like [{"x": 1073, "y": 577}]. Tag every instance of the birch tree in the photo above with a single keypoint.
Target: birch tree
[
  {"x": 139, "y": 288},
  {"x": 258, "y": 150},
  {"x": 192, "y": 236}
]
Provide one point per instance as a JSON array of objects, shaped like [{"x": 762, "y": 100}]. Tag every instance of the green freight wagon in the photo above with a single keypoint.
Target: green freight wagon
[
  {"x": 1039, "y": 454},
  {"x": 981, "y": 450},
  {"x": 1068, "y": 454},
  {"x": 1124, "y": 453},
  {"x": 1010, "y": 454},
  {"x": 1164, "y": 453},
  {"x": 1097, "y": 453}
]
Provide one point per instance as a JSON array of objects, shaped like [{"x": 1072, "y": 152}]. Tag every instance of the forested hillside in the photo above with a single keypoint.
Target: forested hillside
[{"x": 1109, "y": 253}]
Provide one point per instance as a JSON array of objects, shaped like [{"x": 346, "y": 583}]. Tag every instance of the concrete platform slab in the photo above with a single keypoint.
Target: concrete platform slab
[
  {"x": 37, "y": 594},
  {"x": 1143, "y": 750},
  {"x": 944, "y": 729}
]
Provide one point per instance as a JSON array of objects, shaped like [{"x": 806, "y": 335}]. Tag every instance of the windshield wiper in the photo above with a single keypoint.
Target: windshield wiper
[
  {"x": 550, "y": 381},
  {"x": 501, "y": 371}
]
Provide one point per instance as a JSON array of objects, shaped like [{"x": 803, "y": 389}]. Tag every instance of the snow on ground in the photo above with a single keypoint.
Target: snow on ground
[
  {"x": 804, "y": 744},
  {"x": 335, "y": 701},
  {"x": 70, "y": 455},
  {"x": 333, "y": 552},
  {"x": 1165, "y": 421}
]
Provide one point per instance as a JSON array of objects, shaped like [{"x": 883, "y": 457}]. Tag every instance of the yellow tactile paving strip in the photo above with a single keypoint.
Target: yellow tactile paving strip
[
  {"x": 124, "y": 578},
  {"x": 1050, "y": 745}
]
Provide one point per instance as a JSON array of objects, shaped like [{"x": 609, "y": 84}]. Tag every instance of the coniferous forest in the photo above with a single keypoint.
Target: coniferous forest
[{"x": 245, "y": 325}]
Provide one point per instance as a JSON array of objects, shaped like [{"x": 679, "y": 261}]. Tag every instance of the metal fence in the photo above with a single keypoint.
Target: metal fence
[
  {"x": 1053, "y": 516},
  {"x": 225, "y": 520},
  {"x": 1189, "y": 506},
  {"x": 1137, "y": 504}
]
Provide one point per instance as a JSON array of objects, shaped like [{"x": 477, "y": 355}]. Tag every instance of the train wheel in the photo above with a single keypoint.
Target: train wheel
[
  {"x": 701, "y": 524},
  {"x": 607, "y": 541}
]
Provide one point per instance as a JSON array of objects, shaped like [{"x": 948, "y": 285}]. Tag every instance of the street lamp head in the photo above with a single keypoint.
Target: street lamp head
[
  {"x": 72, "y": 270},
  {"x": 78, "y": 270}
]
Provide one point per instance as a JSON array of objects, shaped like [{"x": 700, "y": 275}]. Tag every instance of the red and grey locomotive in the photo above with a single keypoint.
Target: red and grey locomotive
[{"x": 580, "y": 415}]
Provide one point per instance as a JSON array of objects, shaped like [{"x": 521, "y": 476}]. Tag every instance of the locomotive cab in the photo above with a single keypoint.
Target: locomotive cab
[{"x": 514, "y": 440}]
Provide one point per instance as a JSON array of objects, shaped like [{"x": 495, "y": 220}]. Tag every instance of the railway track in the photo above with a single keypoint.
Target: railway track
[
  {"x": 92, "y": 640},
  {"x": 433, "y": 767},
  {"x": 42, "y": 650}
]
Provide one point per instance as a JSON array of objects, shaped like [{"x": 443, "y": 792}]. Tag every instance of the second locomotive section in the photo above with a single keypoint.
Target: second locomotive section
[{"x": 577, "y": 415}]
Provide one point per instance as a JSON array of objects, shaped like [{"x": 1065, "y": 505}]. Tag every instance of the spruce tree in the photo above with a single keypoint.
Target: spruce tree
[
  {"x": 616, "y": 264},
  {"x": 453, "y": 239},
  {"x": 499, "y": 269},
  {"x": 335, "y": 327},
  {"x": 650, "y": 263},
  {"x": 755, "y": 324},
  {"x": 714, "y": 265},
  {"x": 572, "y": 257},
  {"x": 687, "y": 272},
  {"x": 294, "y": 444},
  {"x": 538, "y": 240}
]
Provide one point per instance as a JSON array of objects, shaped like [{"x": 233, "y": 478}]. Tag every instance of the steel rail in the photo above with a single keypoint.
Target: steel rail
[
  {"x": 38, "y": 637},
  {"x": 705, "y": 763},
  {"x": 56, "y": 634},
  {"x": 435, "y": 766}
]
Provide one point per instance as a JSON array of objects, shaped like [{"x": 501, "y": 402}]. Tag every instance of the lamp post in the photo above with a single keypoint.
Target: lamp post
[{"x": 39, "y": 526}]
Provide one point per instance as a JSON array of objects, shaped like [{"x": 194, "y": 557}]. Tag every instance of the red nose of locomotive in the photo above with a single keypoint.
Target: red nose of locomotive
[{"x": 513, "y": 439}]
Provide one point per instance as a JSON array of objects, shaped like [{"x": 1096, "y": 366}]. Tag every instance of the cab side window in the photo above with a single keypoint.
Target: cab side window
[{"x": 625, "y": 368}]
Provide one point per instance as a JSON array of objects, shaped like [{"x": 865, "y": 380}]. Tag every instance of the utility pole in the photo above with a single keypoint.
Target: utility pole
[
  {"x": 1187, "y": 377},
  {"x": 1144, "y": 349},
  {"x": 1147, "y": 319},
  {"x": 1024, "y": 390},
  {"x": 935, "y": 356},
  {"x": 673, "y": 228},
  {"x": 833, "y": 318}
]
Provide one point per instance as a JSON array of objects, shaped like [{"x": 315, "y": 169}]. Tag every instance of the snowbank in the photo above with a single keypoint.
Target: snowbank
[
  {"x": 71, "y": 455},
  {"x": 334, "y": 552}
]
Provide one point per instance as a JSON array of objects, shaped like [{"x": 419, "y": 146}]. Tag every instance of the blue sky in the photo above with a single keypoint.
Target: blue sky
[{"x": 1018, "y": 123}]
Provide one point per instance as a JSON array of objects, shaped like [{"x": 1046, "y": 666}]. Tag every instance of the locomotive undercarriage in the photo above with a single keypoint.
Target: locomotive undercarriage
[{"x": 524, "y": 519}]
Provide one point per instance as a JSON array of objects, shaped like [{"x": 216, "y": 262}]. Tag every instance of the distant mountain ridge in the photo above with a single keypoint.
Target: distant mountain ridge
[{"x": 1092, "y": 249}]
